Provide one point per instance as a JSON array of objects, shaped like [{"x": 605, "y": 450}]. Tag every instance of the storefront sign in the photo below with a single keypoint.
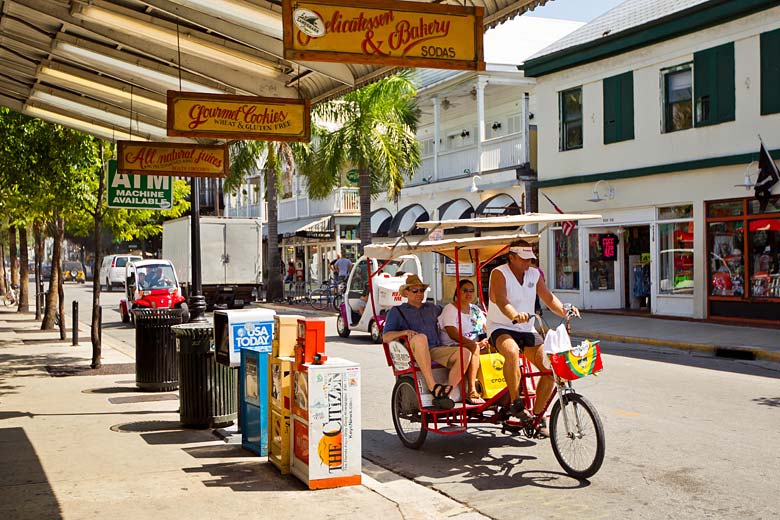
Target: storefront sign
[
  {"x": 465, "y": 268},
  {"x": 192, "y": 114},
  {"x": 608, "y": 243},
  {"x": 317, "y": 235},
  {"x": 384, "y": 32},
  {"x": 186, "y": 160},
  {"x": 138, "y": 191}
]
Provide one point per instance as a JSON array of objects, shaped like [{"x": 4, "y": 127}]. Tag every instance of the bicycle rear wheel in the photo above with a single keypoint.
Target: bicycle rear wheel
[
  {"x": 337, "y": 301},
  {"x": 319, "y": 299},
  {"x": 580, "y": 449},
  {"x": 408, "y": 420}
]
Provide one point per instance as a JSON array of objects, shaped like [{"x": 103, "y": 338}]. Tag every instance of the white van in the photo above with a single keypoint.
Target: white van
[{"x": 112, "y": 270}]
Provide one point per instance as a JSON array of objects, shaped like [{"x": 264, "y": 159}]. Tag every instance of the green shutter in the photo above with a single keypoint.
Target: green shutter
[
  {"x": 713, "y": 85},
  {"x": 618, "y": 108},
  {"x": 770, "y": 72}
]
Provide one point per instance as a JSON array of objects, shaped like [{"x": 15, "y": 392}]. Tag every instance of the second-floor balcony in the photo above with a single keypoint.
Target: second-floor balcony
[
  {"x": 497, "y": 154},
  {"x": 343, "y": 201}
]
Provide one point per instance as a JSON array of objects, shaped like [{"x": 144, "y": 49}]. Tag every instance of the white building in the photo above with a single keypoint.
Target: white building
[{"x": 653, "y": 112}]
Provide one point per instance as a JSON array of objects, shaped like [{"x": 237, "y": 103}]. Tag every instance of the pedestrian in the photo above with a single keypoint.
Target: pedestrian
[{"x": 342, "y": 265}]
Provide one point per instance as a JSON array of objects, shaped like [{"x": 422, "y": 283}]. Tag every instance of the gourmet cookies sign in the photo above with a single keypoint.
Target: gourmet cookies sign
[
  {"x": 219, "y": 116},
  {"x": 382, "y": 32},
  {"x": 186, "y": 160}
]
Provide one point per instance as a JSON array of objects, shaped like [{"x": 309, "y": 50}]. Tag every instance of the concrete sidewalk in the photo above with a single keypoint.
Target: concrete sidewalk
[{"x": 92, "y": 446}]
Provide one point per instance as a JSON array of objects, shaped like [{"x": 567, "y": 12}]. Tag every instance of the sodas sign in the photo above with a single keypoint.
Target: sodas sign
[{"x": 252, "y": 335}]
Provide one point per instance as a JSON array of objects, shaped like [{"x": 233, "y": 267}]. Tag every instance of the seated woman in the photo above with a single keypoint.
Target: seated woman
[
  {"x": 360, "y": 305},
  {"x": 474, "y": 327}
]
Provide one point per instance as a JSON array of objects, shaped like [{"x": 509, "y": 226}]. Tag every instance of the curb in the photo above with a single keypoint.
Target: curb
[{"x": 759, "y": 353}]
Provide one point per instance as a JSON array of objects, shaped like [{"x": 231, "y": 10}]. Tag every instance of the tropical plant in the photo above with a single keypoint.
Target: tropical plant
[{"x": 371, "y": 129}]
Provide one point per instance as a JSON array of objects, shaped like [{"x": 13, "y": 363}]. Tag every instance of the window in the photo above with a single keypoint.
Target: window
[
  {"x": 727, "y": 269},
  {"x": 571, "y": 119},
  {"x": 713, "y": 85},
  {"x": 619, "y": 108},
  {"x": 676, "y": 266},
  {"x": 678, "y": 107},
  {"x": 770, "y": 72},
  {"x": 764, "y": 243},
  {"x": 567, "y": 264},
  {"x": 428, "y": 147}
]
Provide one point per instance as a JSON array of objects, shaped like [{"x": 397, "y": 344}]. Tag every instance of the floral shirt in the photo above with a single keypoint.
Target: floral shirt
[{"x": 473, "y": 323}]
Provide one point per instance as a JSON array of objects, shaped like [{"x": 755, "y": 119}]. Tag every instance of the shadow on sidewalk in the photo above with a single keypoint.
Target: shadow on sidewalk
[
  {"x": 26, "y": 492},
  {"x": 255, "y": 475}
]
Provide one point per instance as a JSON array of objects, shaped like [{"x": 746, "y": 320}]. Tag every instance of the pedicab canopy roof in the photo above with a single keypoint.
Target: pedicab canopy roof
[{"x": 471, "y": 248}]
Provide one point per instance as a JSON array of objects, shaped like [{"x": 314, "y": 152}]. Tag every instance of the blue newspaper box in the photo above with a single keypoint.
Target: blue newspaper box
[{"x": 243, "y": 338}]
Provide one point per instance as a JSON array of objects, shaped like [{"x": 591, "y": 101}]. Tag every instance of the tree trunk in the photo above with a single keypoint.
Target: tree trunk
[
  {"x": 61, "y": 283},
  {"x": 215, "y": 195},
  {"x": 52, "y": 296},
  {"x": 97, "y": 347},
  {"x": 38, "y": 237},
  {"x": 364, "y": 183},
  {"x": 3, "y": 286},
  {"x": 274, "y": 287},
  {"x": 12, "y": 254},
  {"x": 24, "y": 272}
]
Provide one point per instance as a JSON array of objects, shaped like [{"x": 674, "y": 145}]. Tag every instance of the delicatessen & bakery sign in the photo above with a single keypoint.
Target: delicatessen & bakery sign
[
  {"x": 383, "y": 32},
  {"x": 218, "y": 116},
  {"x": 186, "y": 160}
]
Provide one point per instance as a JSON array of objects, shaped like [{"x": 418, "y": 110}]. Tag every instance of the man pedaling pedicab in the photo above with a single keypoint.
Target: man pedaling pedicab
[
  {"x": 417, "y": 320},
  {"x": 510, "y": 323}
]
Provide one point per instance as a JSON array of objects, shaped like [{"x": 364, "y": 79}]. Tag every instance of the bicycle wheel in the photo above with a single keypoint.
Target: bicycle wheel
[
  {"x": 580, "y": 450},
  {"x": 408, "y": 420},
  {"x": 319, "y": 299}
]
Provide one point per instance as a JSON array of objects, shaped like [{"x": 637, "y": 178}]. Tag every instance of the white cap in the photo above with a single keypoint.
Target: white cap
[{"x": 525, "y": 252}]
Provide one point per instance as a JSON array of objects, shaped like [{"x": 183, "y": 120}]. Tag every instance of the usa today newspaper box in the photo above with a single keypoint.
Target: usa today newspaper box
[{"x": 243, "y": 338}]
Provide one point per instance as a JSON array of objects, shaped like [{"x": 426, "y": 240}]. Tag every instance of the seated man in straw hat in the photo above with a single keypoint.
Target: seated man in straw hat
[{"x": 417, "y": 320}]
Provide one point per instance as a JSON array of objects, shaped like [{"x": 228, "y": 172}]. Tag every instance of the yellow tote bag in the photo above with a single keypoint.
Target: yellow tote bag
[{"x": 491, "y": 373}]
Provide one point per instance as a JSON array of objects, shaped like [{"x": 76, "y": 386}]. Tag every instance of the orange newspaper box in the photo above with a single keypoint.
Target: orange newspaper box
[{"x": 311, "y": 341}]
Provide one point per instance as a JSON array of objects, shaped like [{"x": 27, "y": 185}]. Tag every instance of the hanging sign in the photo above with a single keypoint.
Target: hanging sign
[
  {"x": 384, "y": 32},
  {"x": 185, "y": 160},
  {"x": 217, "y": 116},
  {"x": 131, "y": 191},
  {"x": 608, "y": 243}
]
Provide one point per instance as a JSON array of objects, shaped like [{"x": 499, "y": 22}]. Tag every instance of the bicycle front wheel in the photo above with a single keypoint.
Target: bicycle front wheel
[
  {"x": 577, "y": 436},
  {"x": 319, "y": 299}
]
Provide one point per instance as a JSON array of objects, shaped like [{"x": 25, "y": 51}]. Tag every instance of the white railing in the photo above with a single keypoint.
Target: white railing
[
  {"x": 342, "y": 200},
  {"x": 501, "y": 152}
]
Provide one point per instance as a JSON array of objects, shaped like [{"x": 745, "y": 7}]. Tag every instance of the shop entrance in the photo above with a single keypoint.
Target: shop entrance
[
  {"x": 603, "y": 269},
  {"x": 636, "y": 258}
]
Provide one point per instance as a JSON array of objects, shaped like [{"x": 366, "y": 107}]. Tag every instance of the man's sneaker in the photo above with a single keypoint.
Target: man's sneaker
[{"x": 517, "y": 408}]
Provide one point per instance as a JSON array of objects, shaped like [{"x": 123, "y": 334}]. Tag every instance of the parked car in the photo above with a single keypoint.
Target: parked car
[
  {"x": 151, "y": 284},
  {"x": 73, "y": 272},
  {"x": 112, "y": 270}
]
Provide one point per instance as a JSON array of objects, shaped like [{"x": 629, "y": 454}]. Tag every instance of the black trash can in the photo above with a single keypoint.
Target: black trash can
[
  {"x": 208, "y": 391},
  {"x": 156, "y": 368}
]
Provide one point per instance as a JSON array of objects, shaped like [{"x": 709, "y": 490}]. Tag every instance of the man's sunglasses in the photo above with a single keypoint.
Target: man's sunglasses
[{"x": 415, "y": 291}]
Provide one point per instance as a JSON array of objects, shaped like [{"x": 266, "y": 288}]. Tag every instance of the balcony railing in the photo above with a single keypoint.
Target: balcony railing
[
  {"x": 498, "y": 153},
  {"x": 341, "y": 201}
]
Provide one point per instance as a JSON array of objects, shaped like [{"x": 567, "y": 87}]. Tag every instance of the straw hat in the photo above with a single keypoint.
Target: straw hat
[{"x": 412, "y": 281}]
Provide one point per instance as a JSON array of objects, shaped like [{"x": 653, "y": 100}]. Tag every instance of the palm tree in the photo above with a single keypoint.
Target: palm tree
[
  {"x": 245, "y": 156},
  {"x": 375, "y": 132}
]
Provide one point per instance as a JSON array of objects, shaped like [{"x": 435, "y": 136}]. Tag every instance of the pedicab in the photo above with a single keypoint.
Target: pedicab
[
  {"x": 368, "y": 298},
  {"x": 575, "y": 429}
]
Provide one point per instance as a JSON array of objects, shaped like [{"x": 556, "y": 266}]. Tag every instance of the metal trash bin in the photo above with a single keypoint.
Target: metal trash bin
[
  {"x": 208, "y": 391},
  {"x": 156, "y": 368}
]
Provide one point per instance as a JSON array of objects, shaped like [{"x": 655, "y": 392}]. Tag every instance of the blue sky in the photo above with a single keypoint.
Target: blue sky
[{"x": 580, "y": 10}]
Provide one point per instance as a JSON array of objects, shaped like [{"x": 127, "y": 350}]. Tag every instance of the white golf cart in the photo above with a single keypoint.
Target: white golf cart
[{"x": 358, "y": 310}]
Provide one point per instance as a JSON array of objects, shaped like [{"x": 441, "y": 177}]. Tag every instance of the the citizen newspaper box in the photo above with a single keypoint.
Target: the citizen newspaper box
[{"x": 245, "y": 328}]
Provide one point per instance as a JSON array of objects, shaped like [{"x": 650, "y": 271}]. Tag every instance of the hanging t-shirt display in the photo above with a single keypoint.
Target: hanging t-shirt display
[{"x": 609, "y": 250}]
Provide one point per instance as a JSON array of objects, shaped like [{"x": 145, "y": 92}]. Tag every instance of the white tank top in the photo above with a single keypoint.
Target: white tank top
[{"x": 522, "y": 297}]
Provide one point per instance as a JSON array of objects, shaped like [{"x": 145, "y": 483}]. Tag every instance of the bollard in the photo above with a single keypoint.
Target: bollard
[{"x": 75, "y": 323}]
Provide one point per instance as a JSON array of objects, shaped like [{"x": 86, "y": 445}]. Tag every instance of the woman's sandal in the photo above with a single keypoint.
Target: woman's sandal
[
  {"x": 475, "y": 398},
  {"x": 441, "y": 397}
]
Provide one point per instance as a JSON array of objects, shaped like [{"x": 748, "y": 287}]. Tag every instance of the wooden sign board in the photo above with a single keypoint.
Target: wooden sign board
[
  {"x": 217, "y": 116},
  {"x": 384, "y": 32},
  {"x": 184, "y": 160}
]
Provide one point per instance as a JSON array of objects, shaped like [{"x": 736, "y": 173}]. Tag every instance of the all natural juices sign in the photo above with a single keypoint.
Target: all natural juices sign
[
  {"x": 186, "y": 160},
  {"x": 219, "y": 116},
  {"x": 383, "y": 32}
]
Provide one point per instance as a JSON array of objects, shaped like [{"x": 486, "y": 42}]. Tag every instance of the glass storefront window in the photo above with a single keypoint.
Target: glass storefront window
[
  {"x": 676, "y": 258},
  {"x": 727, "y": 268},
  {"x": 567, "y": 264},
  {"x": 675, "y": 212},
  {"x": 764, "y": 243},
  {"x": 754, "y": 208},
  {"x": 732, "y": 208},
  {"x": 602, "y": 272}
]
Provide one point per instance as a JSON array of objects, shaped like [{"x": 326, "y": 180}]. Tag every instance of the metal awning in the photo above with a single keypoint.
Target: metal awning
[{"x": 96, "y": 65}]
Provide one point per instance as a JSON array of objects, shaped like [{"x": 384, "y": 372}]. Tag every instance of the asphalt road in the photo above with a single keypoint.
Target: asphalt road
[{"x": 688, "y": 436}]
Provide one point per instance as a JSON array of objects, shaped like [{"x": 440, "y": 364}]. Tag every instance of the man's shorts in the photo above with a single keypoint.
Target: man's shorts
[
  {"x": 523, "y": 339},
  {"x": 443, "y": 355}
]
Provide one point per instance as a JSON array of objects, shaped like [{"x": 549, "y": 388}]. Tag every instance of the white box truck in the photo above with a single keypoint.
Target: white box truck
[{"x": 230, "y": 256}]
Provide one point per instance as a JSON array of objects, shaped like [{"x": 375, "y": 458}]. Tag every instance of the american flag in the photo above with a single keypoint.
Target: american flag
[{"x": 568, "y": 226}]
